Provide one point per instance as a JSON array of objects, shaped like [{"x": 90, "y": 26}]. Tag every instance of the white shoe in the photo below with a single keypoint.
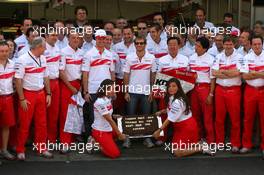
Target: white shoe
[
  {"x": 46, "y": 154},
  {"x": 235, "y": 150},
  {"x": 7, "y": 155},
  {"x": 21, "y": 156},
  {"x": 91, "y": 142},
  {"x": 245, "y": 151},
  {"x": 159, "y": 143},
  {"x": 148, "y": 143},
  {"x": 206, "y": 148},
  {"x": 65, "y": 150},
  {"x": 127, "y": 143}
]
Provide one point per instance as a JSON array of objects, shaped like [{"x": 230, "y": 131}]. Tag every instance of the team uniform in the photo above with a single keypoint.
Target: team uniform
[
  {"x": 7, "y": 114},
  {"x": 99, "y": 66},
  {"x": 102, "y": 131},
  {"x": 139, "y": 77},
  {"x": 62, "y": 43},
  {"x": 241, "y": 51},
  {"x": 202, "y": 66},
  {"x": 122, "y": 51},
  {"x": 53, "y": 56},
  {"x": 163, "y": 36},
  {"x": 32, "y": 71},
  {"x": 71, "y": 62},
  {"x": 187, "y": 50},
  {"x": 166, "y": 64},
  {"x": 253, "y": 98},
  {"x": 157, "y": 49},
  {"x": 214, "y": 51},
  {"x": 22, "y": 51},
  {"x": 21, "y": 42},
  {"x": 227, "y": 98},
  {"x": 185, "y": 129},
  {"x": 88, "y": 45},
  {"x": 207, "y": 25}
]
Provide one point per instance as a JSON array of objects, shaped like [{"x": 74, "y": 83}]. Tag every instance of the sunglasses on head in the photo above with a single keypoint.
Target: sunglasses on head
[{"x": 140, "y": 43}]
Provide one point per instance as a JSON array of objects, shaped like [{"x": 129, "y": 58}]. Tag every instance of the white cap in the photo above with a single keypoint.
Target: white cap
[{"x": 100, "y": 32}]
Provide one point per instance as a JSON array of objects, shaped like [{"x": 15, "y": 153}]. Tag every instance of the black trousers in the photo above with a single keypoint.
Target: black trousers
[{"x": 88, "y": 116}]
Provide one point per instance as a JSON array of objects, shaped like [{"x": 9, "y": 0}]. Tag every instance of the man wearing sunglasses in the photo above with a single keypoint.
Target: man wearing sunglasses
[
  {"x": 142, "y": 29},
  {"x": 139, "y": 75}
]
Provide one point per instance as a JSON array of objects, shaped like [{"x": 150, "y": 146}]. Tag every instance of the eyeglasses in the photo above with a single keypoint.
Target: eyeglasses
[
  {"x": 140, "y": 43},
  {"x": 142, "y": 28}
]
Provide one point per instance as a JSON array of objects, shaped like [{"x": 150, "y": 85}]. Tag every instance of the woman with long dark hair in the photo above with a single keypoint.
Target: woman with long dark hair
[
  {"x": 185, "y": 139},
  {"x": 104, "y": 127}
]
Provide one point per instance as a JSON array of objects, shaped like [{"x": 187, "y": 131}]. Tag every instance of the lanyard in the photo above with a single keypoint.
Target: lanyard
[{"x": 38, "y": 63}]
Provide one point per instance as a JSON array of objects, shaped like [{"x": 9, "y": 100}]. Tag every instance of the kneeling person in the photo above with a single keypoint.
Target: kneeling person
[{"x": 104, "y": 128}]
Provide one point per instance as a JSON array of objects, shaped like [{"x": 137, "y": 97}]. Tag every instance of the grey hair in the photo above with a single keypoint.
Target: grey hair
[{"x": 36, "y": 42}]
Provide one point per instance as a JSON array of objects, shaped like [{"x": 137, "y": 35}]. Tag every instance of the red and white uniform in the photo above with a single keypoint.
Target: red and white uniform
[
  {"x": 23, "y": 50},
  {"x": 32, "y": 71},
  {"x": 53, "y": 56},
  {"x": 7, "y": 115},
  {"x": 71, "y": 62},
  {"x": 88, "y": 45},
  {"x": 227, "y": 98},
  {"x": 231, "y": 62},
  {"x": 61, "y": 44},
  {"x": 187, "y": 50},
  {"x": 122, "y": 50},
  {"x": 185, "y": 126},
  {"x": 253, "y": 98},
  {"x": 241, "y": 51},
  {"x": 214, "y": 51},
  {"x": 163, "y": 36},
  {"x": 202, "y": 66},
  {"x": 253, "y": 62},
  {"x": 99, "y": 66},
  {"x": 21, "y": 42},
  {"x": 167, "y": 63},
  {"x": 102, "y": 130},
  {"x": 139, "y": 72},
  {"x": 157, "y": 49}
]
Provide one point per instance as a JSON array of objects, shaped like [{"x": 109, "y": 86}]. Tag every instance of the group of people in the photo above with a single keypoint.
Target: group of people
[{"x": 40, "y": 74}]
